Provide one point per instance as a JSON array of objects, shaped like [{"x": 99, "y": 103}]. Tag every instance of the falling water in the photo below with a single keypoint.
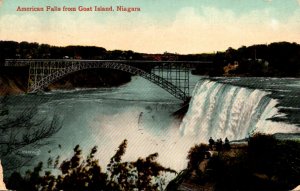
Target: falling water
[{"x": 222, "y": 110}]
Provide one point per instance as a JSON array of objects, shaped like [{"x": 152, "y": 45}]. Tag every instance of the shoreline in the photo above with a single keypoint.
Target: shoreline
[{"x": 14, "y": 81}]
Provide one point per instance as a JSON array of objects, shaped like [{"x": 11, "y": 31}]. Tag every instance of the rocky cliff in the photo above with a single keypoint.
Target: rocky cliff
[{"x": 14, "y": 80}]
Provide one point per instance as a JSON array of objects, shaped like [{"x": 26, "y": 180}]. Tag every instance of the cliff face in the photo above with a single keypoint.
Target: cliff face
[
  {"x": 92, "y": 78},
  {"x": 14, "y": 80}
]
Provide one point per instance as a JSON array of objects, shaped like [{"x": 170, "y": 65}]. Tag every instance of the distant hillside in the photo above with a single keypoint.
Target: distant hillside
[
  {"x": 14, "y": 80},
  {"x": 279, "y": 59}
]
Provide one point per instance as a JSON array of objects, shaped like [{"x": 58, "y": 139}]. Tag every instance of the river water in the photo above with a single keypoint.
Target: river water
[{"x": 141, "y": 113}]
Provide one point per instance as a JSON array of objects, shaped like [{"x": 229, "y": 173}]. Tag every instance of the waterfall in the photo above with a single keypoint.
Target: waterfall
[{"x": 221, "y": 110}]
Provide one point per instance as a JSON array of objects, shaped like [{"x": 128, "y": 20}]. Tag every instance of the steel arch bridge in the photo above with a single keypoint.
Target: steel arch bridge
[{"x": 173, "y": 76}]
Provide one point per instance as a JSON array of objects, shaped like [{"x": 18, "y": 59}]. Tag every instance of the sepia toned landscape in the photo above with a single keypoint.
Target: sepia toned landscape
[{"x": 194, "y": 95}]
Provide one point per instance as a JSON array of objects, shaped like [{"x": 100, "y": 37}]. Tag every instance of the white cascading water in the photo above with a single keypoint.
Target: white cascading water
[{"x": 221, "y": 110}]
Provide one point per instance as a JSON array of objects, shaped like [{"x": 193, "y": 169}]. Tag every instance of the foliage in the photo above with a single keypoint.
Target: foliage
[
  {"x": 275, "y": 59},
  {"x": 174, "y": 184},
  {"x": 196, "y": 154},
  {"x": 18, "y": 132},
  {"x": 79, "y": 173},
  {"x": 265, "y": 164},
  {"x": 278, "y": 159},
  {"x": 143, "y": 174},
  {"x": 282, "y": 58}
]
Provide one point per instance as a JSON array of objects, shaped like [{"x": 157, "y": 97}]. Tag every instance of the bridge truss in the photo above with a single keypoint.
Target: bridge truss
[{"x": 173, "y": 76}]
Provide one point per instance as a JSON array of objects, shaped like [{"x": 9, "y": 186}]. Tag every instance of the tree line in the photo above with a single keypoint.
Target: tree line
[
  {"x": 278, "y": 59},
  {"x": 275, "y": 59}
]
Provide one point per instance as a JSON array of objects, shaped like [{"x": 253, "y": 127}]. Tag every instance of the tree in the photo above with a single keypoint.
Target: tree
[
  {"x": 78, "y": 173},
  {"x": 84, "y": 173},
  {"x": 22, "y": 132},
  {"x": 196, "y": 154},
  {"x": 143, "y": 174}
]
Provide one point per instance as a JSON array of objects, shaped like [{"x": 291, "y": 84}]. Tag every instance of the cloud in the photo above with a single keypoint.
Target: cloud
[{"x": 191, "y": 31}]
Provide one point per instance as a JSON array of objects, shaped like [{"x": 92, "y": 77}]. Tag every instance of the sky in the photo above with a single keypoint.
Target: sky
[{"x": 177, "y": 26}]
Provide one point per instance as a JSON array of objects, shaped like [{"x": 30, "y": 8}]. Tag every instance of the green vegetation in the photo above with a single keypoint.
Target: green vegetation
[
  {"x": 79, "y": 173},
  {"x": 22, "y": 132},
  {"x": 275, "y": 59},
  {"x": 264, "y": 164}
]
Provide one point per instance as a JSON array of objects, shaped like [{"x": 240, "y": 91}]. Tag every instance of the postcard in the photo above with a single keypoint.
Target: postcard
[{"x": 149, "y": 95}]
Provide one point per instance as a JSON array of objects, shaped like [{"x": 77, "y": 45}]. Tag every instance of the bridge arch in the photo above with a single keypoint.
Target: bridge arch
[{"x": 73, "y": 67}]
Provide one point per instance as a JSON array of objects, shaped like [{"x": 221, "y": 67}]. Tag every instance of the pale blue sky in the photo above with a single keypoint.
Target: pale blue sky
[{"x": 183, "y": 26}]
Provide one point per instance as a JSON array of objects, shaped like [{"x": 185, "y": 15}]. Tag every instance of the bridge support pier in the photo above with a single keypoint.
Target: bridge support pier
[{"x": 173, "y": 76}]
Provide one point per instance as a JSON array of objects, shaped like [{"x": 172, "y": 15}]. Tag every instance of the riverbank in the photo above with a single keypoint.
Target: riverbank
[
  {"x": 263, "y": 163},
  {"x": 14, "y": 81}
]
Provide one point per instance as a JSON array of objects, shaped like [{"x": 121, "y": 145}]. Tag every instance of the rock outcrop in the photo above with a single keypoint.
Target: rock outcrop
[{"x": 15, "y": 80}]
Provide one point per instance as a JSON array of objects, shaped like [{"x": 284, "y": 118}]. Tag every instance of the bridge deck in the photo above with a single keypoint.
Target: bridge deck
[
  {"x": 173, "y": 76},
  {"x": 26, "y": 62}
]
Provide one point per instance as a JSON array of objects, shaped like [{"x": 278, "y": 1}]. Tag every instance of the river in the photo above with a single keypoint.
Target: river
[{"x": 140, "y": 112}]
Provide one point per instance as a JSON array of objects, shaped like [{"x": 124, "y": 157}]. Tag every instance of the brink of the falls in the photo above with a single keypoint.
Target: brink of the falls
[{"x": 221, "y": 110}]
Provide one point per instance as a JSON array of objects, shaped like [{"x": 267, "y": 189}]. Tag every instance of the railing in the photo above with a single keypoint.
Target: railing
[{"x": 43, "y": 72}]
